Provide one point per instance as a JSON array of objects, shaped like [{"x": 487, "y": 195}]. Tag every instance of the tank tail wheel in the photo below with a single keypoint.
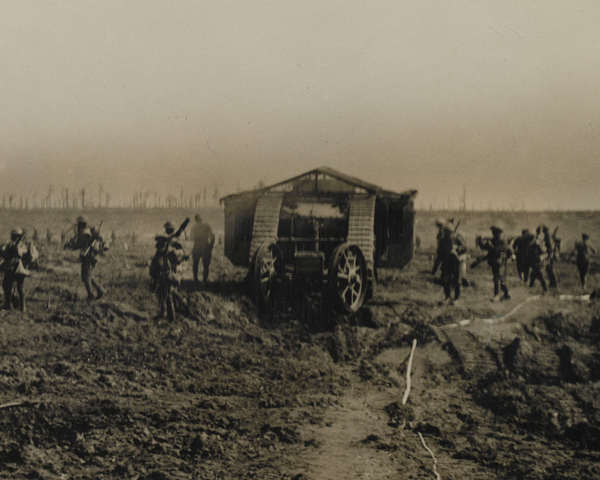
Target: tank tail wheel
[
  {"x": 267, "y": 271},
  {"x": 348, "y": 281}
]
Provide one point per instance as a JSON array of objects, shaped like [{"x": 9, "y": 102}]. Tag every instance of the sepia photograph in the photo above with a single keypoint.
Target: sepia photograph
[{"x": 299, "y": 240}]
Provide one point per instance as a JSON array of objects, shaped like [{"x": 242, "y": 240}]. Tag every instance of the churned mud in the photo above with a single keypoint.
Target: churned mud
[{"x": 104, "y": 389}]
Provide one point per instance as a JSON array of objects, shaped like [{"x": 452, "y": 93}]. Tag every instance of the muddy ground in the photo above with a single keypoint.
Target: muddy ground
[{"x": 103, "y": 389}]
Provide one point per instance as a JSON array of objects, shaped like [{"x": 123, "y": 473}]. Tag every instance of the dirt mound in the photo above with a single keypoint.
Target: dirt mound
[
  {"x": 562, "y": 325},
  {"x": 532, "y": 362}
]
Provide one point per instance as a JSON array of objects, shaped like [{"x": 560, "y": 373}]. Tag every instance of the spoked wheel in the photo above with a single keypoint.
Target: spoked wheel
[
  {"x": 268, "y": 266},
  {"x": 348, "y": 281}
]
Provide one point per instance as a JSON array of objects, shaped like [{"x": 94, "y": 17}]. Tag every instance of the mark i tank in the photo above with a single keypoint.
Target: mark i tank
[{"x": 323, "y": 228}]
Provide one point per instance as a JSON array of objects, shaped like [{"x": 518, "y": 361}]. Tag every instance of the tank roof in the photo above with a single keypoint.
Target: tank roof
[{"x": 327, "y": 176}]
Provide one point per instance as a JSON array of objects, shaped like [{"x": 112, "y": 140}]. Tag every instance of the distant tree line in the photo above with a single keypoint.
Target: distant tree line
[{"x": 85, "y": 198}]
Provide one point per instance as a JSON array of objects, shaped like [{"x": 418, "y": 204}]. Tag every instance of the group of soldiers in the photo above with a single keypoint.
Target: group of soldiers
[
  {"x": 535, "y": 255},
  {"x": 165, "y": 269}
]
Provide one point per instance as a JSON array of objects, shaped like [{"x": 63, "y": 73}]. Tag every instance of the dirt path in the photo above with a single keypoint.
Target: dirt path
[{"x": 351, "y": 439}]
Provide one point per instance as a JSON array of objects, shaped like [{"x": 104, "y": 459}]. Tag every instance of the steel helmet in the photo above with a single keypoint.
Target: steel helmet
[{"x": 16, "y": 232}]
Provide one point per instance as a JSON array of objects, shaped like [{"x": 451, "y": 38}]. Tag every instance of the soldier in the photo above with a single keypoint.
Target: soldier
[
  {"x": 552, "y": 245},
  {"x": 520, "y": 247},
  {"x": 439, "y": 255},
  {"x": 165, "y": 270},
  {"x": 453, "y": 248},
  {"x": 499, "y": 251},
  {"x": 536, "y": 252},
  {"x": 583, "y": 250},
  {"x": 90, "y": 244},
  {"x": 204, "y": 239},
  {"x": 14, "y": 270}
]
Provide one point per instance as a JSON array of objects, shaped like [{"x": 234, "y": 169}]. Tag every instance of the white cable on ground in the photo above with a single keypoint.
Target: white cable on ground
[
  {"x": 462, "y": 323},
  {"x": 513, "y": 311},
  {"x": 432, "y": 456},
  {"x": 405, "y": 397}
]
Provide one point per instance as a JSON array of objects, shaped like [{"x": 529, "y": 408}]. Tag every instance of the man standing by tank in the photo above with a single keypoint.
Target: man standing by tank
[
  {"x": 204, "y": 239},
  {"x": 499, "y": 251},
  {"x": 583, "y": 249},
  {"x": 90, "y": 244},
  {"x": 14, "y": 270}
]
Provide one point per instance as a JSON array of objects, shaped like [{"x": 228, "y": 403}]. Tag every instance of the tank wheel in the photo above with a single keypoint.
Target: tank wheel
[
  {"x": 348, "y": 280},
  {"x": 267, "y": 269}
]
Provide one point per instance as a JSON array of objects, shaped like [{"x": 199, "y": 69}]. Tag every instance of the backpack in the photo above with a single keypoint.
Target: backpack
[{"x": 30, "y": 258}]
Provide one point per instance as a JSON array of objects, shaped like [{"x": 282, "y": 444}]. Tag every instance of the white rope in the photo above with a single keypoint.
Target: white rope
[
  {"x": 412, "y": 351},
  {"x": 462, "y": 323},
  {"x": 432, "y": 456}
]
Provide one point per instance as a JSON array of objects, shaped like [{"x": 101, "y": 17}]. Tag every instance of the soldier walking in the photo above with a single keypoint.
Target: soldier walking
[
  {"x": 499, "y": 251},
  {"x": 439, "y": 253},
  {"x": 520, "y": 246},
  {"x": 583, "y": 249},
  {"x": 537, "y": 258},
  {"x": 453, "y": 250},
  {"x": 165, "y": 270},
  {"x": 552, "y": 245},
  {"x": 204, "y": 239},
  {"x": 90, "y": 244},
  {"x": 14, "y": 270}
]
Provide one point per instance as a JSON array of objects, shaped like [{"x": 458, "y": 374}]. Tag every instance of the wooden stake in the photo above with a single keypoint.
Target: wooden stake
[{"x": 405, "y": 397}]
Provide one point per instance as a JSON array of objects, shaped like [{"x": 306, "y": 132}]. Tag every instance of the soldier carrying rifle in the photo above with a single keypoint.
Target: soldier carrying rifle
[
  {"x": 15, "y": 257},
  {"x": 90, "y": 244},
  {"x": 165, "y": 268},
  {"x": 498, "y": 253}
]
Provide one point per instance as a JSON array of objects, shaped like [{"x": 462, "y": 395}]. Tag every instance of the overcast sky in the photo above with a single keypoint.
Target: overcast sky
[{"x": 502, "y": 96}]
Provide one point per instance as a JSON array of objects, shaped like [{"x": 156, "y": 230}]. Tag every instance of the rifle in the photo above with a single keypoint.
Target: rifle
[
  {"x": 178, "y": 232},
  {"x": 175, "y": 235},
  {"x": 457, "y": 225},
  {"x": 163, "y": 251},
  {"x": 94, "y": 240}
]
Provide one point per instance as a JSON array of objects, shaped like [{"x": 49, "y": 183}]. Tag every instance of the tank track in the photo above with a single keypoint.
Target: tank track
[
  {"x": 266, "y": 221},
  {"x": 361, "y": 227}
]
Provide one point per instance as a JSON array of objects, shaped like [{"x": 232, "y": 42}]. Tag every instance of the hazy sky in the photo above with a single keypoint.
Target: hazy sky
[{"x": 500, "y": 95}]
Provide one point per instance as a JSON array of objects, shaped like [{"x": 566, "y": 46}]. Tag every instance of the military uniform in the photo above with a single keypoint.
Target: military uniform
[
  {"x": 439, "y": 254},
  {"x": 14, "y": 270},
  {"x": 520, "y": 246},
  {"x": 90, "y": 244},
  {"x": 536, "y": 252},
  {"x": 498, "y": 252},
  {"x": 583, "y": 250},
  {"x": 204, "y": 239},
  {"x": 552, "y": 245},
  {"x": 453, "y": 250},
  {"x": 165, "y": 271}
]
